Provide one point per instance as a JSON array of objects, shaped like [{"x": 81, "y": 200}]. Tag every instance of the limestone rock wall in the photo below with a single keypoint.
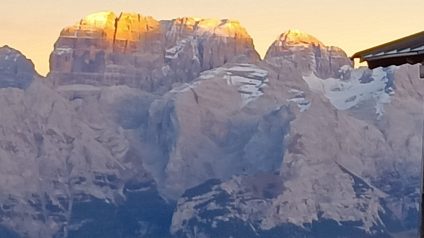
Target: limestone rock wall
[
  {"x": 307, "y": 54},
  {"x": 138, "y": 51}
]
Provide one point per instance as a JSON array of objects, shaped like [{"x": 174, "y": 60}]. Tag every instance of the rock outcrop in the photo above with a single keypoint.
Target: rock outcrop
[
  {"x": 16, "y": 70},
  {"x": 307, "y": 54},
  {"x": 63, "y": 170},
  {"x": 105, "y": 50},
  {"x": 337, "y": 185},
  {"x": 211, "y": 130}
]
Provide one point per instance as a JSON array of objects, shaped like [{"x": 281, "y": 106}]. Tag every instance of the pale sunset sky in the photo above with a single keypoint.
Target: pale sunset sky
[{"x": 33, "y": 26}]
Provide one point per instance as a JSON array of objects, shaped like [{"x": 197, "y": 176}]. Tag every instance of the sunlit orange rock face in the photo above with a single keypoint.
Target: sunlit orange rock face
[
  {"x": 134, "y": 31},
  {"x": 87, "y": 46},
  {"x": 139, "y": 51},
  {"x": 307, "y": 53}
]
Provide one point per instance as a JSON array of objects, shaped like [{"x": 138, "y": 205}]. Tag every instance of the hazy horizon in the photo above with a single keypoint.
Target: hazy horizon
[{"x": 33, "y": 26}]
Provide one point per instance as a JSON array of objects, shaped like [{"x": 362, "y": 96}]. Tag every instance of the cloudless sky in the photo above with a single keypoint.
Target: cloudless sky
[{"x": 32, "y": 26}]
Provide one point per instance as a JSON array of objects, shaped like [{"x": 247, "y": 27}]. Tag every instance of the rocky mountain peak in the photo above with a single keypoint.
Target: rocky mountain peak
[
  {"x": 15, "y": 69},
  {"x": 296, "y": 37},
  {"x": 100, "y": 20},
  {"x": 6, "y": 48},
  {"x": 142, "y": 52},
  {"x": 116, "y": 32},
  {"x": 307, "y": 53},
  {"x": 210, "y": 27},
  {"x": 8, "y": 53}
]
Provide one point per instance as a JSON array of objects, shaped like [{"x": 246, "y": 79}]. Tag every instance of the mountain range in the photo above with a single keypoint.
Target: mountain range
[{"x": 177, "y": 128}]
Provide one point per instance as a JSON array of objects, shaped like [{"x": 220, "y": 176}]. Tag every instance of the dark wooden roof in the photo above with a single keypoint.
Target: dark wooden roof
[{"x": 409, "y": 49}]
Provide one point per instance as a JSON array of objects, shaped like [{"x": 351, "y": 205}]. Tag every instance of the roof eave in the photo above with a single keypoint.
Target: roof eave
[{"x": 360, "y": 54}]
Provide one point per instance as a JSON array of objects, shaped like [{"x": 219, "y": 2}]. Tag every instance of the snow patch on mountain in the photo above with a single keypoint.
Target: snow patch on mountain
[
  {"x": 359, "y": 86},
  {"x": 298, "y": 97},
  {"x": 175, "y": 51},
  {"x": 249, "y": 79}
]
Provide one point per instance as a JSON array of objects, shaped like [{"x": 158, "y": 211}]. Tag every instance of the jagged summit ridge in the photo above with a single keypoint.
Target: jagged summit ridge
[
  {"x": 307, "y": 53},
  {"x": 99, "y": 19},
  {"x": 218, "y": 27},
  {"x": 298, "y": 37},
  {"x": 221, "y": 27}
]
